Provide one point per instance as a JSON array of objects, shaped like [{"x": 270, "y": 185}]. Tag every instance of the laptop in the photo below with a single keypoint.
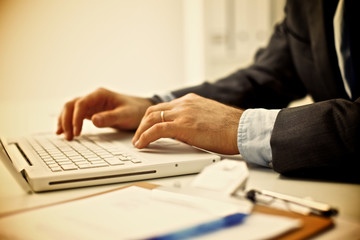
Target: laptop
[{"x": 46, "y": 162}]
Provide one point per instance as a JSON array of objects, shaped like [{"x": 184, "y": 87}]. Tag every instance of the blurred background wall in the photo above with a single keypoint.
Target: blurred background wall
[
  {"x": 54, "y": 50},
  {"x": 63, "y": 48}
]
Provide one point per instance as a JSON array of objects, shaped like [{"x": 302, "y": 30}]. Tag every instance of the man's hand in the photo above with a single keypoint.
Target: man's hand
[
  {"x": 194, "y": 120},
  {"x": 105, "y": 109}
]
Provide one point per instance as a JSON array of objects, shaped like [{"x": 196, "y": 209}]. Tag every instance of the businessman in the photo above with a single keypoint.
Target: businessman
[{"x": 314, "y": 50}]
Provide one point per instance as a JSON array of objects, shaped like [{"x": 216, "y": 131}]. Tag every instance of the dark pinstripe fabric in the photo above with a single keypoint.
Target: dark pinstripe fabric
[{"x": 321, "y": 139}]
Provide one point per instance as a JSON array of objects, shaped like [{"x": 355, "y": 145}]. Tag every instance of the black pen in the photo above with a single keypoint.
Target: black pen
[{"x": 317, "y": 208}]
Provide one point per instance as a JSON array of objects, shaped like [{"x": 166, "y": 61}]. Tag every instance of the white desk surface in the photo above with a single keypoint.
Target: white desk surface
[{"x": 29, "y": 118}]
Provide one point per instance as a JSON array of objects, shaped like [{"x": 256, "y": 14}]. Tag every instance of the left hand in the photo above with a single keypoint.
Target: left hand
[{"x": 192, "y": 119}]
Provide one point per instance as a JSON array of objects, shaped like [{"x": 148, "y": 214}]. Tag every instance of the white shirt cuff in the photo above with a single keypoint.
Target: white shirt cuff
[{"x": 254, "y": 133}]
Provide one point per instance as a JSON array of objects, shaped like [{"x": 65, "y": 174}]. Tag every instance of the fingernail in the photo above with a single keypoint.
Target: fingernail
[{"x": 137, "y": 144}]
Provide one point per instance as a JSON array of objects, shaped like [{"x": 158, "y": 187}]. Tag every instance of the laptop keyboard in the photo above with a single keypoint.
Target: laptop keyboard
[{"x": 82, "y": 153}]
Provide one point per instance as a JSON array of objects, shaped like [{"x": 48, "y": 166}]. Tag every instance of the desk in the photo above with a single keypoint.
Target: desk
[{"x": 342, "y": 195}]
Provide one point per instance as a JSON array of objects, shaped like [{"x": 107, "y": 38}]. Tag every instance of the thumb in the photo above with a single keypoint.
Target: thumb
[{"x": 106, "y": 118}]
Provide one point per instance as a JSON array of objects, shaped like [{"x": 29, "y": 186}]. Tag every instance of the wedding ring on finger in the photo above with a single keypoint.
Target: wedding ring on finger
[{"x": 162, "y": 115}]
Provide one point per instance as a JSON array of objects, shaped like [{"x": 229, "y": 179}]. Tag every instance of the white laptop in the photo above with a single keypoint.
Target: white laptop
[{"x": 49, "y": 162}]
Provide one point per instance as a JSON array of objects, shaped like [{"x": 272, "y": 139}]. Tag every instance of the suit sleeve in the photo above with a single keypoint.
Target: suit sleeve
[
  {"x": 271, "y": 82},
  {"x": 318, "y": 140}
]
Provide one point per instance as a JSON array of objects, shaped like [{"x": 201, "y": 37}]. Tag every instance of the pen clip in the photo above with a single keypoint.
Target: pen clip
[{"x": 316, "y": 208}]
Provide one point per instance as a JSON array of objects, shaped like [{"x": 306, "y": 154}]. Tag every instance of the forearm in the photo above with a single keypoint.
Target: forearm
[
  {"x": 270, "y": 82},
  {"x": 317, "y": 138}
]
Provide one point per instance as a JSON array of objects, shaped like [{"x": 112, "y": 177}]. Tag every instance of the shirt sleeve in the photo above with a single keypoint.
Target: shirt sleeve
[
  {"x": 166, "y": 97},
  {"x": 254, "y": 133}
]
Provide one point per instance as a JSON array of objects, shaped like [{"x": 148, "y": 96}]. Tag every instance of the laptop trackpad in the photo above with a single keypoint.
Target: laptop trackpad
[{"x": 169, "y": 146}]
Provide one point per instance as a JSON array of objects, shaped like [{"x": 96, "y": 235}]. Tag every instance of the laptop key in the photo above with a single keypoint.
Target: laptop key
[
  {"x": 69, "y": 167},
  {"x": 84, "y": 166},
  {"x": 134, "y": 160},
  {"x": 56, "y": 169},
  {"x": 100, "y": 164},
  {"x": 60, "y": 155},
  {"x": 114, "y": 161}
]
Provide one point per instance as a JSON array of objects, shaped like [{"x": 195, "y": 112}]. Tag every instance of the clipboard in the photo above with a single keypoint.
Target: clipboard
[{"x": 312, "y": 224}]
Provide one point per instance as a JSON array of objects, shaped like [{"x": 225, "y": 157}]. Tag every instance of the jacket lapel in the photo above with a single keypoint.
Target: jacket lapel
[{"x": 328, "y": 71}]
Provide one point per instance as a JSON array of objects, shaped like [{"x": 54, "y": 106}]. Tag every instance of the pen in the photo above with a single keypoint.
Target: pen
[
  {"x": 318, "y": 208},
  {"x": 203, "y": 228}
]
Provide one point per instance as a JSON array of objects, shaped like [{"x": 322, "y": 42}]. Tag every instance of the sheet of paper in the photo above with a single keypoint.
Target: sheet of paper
[{"x": 130, "y": 213}]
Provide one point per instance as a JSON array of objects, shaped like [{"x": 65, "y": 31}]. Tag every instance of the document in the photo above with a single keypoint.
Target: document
[{"x": 131, "y": 213}]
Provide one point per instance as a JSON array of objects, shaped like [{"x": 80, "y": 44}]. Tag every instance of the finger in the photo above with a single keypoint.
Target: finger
[
  {"x": 79, "y": 114},
  {"x": 86, "y": 106},
  {"x": 157, "y": 131},
  {"x": 107, "y": 118},
  {"x": 66, "y": 120},
  {"x": 151, "y": 119},
  {"x": 159, "y": 107},
  {"x": 59, "y": 130}
]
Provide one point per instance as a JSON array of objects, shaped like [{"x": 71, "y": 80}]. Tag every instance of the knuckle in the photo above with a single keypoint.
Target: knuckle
[
  {"x": 187, "y": 110},
  {"x": 101, "y": 89},
  {"x": 80, "y": 103},
  {"x": 69, "y": 104},
  {"x": 100, "y": 92},
  {"x": 144, "y": 137},
  {"x": 163, "y": 127},
  {"x": 158, "y": 127},
  {"x": 151, "y": 117},
  {"x": 150, "y": 110},
  {"x": 189, "y": 99},
  {"x": 186, "y": 120},
  {"x": 191, "y": 96}
]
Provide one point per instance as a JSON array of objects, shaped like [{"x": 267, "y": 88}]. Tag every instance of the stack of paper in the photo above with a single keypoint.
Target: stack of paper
[{"x": 133, "y": 213}]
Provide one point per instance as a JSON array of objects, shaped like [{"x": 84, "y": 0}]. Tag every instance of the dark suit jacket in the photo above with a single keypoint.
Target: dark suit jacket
[{"x": 321, "y": 139}]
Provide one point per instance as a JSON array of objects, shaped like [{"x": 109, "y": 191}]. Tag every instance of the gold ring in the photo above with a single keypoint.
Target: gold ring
[{"x": 162, "y": 116}]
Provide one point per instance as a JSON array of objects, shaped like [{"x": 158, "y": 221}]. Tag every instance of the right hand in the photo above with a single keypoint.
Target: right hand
[{"x": 105, "y": 109}]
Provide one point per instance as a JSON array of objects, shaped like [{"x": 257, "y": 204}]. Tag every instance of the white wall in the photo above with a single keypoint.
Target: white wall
[
  {"x": 54, "y": 50},
  {"x": 64, "y": 48},
  {"x": 194, "y": 49},
  {"x": 60, "y": 49}
]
